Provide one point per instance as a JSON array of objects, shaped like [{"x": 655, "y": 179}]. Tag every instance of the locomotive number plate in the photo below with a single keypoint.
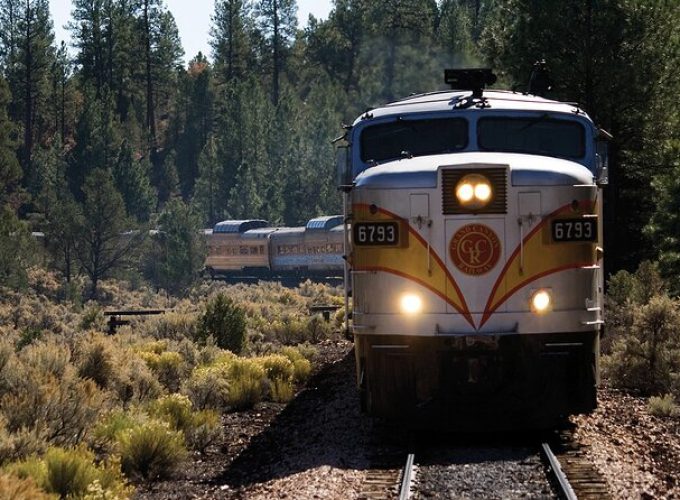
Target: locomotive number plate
[
  {"x": 376, "y": 233},
  {"x": 574, "y": 230}
]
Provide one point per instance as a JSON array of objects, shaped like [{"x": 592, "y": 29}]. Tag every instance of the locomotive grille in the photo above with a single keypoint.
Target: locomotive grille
[{"x": 498, "y": 179}]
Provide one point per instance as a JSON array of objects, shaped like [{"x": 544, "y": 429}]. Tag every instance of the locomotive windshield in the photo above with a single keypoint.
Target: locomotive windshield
[
  {"x": 413, "y": 138},
  {"x": 538, "y": 135}
]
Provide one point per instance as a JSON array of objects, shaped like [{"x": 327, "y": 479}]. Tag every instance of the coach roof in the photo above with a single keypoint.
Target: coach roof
[{"x": 450, "y": 100}]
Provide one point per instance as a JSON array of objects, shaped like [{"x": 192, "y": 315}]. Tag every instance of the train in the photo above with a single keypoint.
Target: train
[
  {"x": 473, "y": 222},
  {"x": 253, "y": 248}
]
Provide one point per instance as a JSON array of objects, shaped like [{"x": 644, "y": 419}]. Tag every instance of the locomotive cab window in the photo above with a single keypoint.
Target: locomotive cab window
[
  {"x": 388, "y": 141},
  {"x": 537, "y": 135}
]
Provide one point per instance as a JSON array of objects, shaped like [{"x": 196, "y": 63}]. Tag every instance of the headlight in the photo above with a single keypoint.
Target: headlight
[
  {"x": 541, "y": 301},
  {"x": 474, "y": 191},
  {"x": 411, "y": 304}
]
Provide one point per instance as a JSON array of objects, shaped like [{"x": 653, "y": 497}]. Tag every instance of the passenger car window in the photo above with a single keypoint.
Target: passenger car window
[
  {"x": 539, "y": 135},
  {"x": 387, "y": 141}
]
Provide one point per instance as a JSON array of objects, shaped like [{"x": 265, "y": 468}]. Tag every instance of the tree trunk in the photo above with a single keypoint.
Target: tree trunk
[
  {"x": 150, "y": 118},
  {"x": 277, "y": 49}
]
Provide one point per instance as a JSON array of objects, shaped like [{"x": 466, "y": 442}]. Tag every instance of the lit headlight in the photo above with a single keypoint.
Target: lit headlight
[
  {"x": 474, "y": 191},
  {"x": 411, "y": 303},
  {"x": 541, "y": 301}
]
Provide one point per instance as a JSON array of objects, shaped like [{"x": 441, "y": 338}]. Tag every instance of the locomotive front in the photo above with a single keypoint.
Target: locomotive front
[{"x": 475, "y": 258}]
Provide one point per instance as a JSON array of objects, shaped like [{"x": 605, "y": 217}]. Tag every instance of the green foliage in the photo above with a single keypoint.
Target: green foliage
[
  {"x": 246, "y": 383},
  {"x": 72, "y": 473},
  {"x": 224, "y": 320},
  {"x": 151, "y": 450},
  {"x": 169, "y": 367},
  {"x": 106, "y": 243},
  {"x": 200, "y": 429},
  {"x": 178, "y": 249},
  {"x": 643, "y": 337}
]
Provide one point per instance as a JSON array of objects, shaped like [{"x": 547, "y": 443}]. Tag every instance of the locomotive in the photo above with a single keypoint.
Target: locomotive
[
  {"x": 252, "y": 248},
  {"x": 473, "y": 222}
]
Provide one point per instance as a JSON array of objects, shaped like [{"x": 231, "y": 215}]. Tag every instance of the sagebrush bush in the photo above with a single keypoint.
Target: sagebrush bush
[
  {"x": 44, "y": 394},
  {"x": 135, "y": 382},
  {"x": 69, "y": 473},
  {"x": 225, "y": 321},
  {"x": 200, "y": 429},
  {"x": 93, "y": 318},
  {"x": 280, "y": 372},
  {"x": 168, "y": 366},
  {"x": 151, "y": 450},
  {"x": 97, "y": 362},
  {"x": 302, "y": 367},
  {"x": 208, "y": 387},
  {"x": 15, "y": 488},
  {"x": 663, "y": 406},
  {"x": 246, "y": 383},
  {"x": 171, "y": 325}
]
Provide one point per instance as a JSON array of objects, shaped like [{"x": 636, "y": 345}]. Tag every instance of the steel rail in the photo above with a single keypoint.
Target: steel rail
[
  {"x": 565, "y": 489},
  {"x": 406, "y": 477}
]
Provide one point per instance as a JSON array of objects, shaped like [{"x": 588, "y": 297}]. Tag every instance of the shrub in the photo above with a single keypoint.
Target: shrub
[
  {"x": 280, "y": 371},
  {"x": 318, "y": 329},
  {"x": 200, "y": 429},
  {"x": 107, "y": 431},
  {"x": 169, "y": 368},
  {"x": 206, "y": 429},
  {"x": 20, "y": 444},
  {"x": 46, "y": 396},
  {"x": 97, "y": 363},
  {"x": 93, "y": 318},
  {"x": 151, "y": 450},
  {"x": 15, "y": 488},
  {"x": 246, "y": 383},
  {"x": 70, "y": 473},
  {"x": 646, "y": 354},
  {"x": 175, "y": 410},
  {"x": 663, "y": 406},
  {"x": 302, "y": 367},
  {"x": 135, "y": 382},
  {"x": 225, "y": 321},
  {"x": 171, "y": 325},
  {"x": 208, "y": 387}
]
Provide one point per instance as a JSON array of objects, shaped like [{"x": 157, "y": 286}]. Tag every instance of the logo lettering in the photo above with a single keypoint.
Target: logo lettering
[{"x": 475, "y": 249}]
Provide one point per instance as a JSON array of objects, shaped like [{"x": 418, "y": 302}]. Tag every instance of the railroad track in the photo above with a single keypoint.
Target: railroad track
[
  {"x": 569, "y": 472},
  {"x": 585, "y": 482}
]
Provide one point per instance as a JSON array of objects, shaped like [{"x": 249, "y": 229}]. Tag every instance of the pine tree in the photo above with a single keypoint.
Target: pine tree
[
  {"x": 232, "y": 40},
  {"x": 29, "y": 58},
  {"x": 193, "y": 120},
  {"x": 14, "y": 236},
  {"x": 131, "y": 177},
  {"x": 277, "y": 20},
  {"x": 178, "y": 249},
  {"x": 106, "y": 239}
]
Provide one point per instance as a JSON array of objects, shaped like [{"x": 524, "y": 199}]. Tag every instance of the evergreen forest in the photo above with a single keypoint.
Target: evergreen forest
[{"x": 117, "y": 134}]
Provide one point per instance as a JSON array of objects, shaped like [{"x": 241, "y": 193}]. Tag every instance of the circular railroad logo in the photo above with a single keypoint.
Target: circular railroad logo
[{"x": 475, "y": 249}]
